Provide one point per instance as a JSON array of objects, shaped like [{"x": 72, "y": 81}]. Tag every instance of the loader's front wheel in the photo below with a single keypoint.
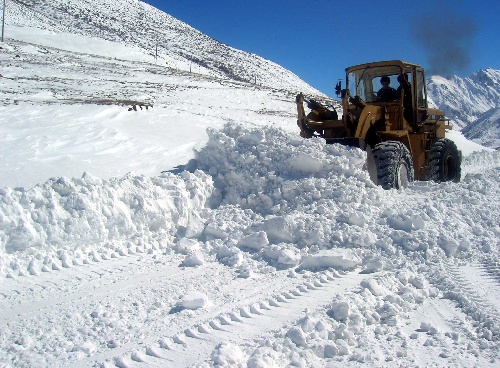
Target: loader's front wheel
[
  {"x": 394, "y": 165},
  {"x": 445, "y": 162}
]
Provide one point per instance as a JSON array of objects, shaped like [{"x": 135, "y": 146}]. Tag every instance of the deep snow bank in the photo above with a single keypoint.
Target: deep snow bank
[
  {"x": 270, "y": 171},
  {"x": 313, "y": 194},
  {"x": 287, "y": 200},
  {"x": 69, "y": 221}
]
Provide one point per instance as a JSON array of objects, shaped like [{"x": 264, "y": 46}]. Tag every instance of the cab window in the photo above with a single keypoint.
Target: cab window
[
  {"x": 366, "y": 83},
  {"x": 421, "y": 97}
]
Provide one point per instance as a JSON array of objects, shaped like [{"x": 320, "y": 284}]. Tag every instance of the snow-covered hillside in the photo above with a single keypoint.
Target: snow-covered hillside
[
  {"x": 255, "y": 248},
  {"x": 100, "y": 90},
  {"x": 486, "y": 129},
  {"x": 465, "y": 100},
  {"x": 165, "y": 39},
  {"x": 174, "y": 44}
]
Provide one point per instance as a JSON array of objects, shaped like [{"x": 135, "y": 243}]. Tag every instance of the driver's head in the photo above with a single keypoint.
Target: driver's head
[{"x": 385, "y": 81}]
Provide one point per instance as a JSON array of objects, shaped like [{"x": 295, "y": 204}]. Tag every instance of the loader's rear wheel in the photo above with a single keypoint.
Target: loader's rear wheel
[
  {"x": 445, "y": 163},
  {"x": 394, "y": 165}
]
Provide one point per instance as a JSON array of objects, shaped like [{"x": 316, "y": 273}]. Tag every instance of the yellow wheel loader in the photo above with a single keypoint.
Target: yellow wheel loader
[{"x": 385, "y": 113}]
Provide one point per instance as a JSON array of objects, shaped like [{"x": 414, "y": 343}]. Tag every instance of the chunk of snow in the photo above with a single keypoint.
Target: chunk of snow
[
  {"x": 194, "y": 300},
  {"x": 228, "y": 355},
  {"x": 374, "y": 265},
  {"x": 194, "y": 259},
  {"x": 303, "y": 163},
  {"x": 326, "y": 259},
  {"x": 195, "y": 226},
  {"x": 339, "y": 311},
  {"x": 297, "y": 336},
  {"x": 278, "y": 230},
  {"x": 449, "y": 246},
  {"x": 187, "y": 246},
  {"x": 255, "y": 241}
]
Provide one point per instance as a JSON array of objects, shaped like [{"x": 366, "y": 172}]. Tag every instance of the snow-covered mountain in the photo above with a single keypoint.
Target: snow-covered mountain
[
  {"x": 171, "y": 42},
  {"x": 255, "y": 248},
  {"x": 472, "y": 103},
  {"x": 486, "y": 129}
]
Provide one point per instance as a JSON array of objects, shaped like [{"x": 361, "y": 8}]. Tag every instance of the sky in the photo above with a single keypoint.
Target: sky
[{"x": 318, "y": 39}]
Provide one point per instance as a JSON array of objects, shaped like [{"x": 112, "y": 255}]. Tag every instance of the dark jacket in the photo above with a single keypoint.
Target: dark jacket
[{"x": 387, "y": 94}]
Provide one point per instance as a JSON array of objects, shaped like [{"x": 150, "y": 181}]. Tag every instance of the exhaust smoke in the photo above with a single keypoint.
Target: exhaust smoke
[{"x": 446, "y": 38}]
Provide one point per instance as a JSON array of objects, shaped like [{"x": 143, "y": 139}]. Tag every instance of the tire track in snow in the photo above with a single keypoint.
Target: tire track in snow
[
  {"x": 109, "y": 299},
  {"x": 479, "y": 287},
  {"x": 475, "y": 292},
  {"x": 240, "y": 322},
  {"x": 492, "y": 267},
  {"x": 101, "y": 306},
  {"x": 37, "y": 292}
]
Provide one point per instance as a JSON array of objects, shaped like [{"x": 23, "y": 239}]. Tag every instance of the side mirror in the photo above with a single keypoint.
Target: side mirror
[{"x": 338, "y": 88}]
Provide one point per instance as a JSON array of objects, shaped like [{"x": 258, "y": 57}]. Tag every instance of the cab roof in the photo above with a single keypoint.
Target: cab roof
[{"x": 402, "y": 64}]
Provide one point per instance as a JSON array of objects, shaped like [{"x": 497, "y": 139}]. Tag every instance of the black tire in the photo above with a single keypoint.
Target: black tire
[
  {"x": 394, "y": 165},
  {"x": 445, "y": 163}
]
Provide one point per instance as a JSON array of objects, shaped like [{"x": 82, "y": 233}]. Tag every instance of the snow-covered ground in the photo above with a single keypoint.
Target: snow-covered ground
[{"x": 255, "y": 248}]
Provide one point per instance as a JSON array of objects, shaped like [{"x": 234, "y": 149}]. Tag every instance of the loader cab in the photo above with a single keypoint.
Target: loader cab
[{"x": 365, "y": 82}]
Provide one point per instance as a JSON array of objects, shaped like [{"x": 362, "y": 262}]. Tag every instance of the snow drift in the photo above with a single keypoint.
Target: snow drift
[{"x": 249, "y": 210}]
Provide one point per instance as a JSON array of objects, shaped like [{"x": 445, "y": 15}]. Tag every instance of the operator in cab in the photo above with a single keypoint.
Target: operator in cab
[{"x": 386, "y": 93}]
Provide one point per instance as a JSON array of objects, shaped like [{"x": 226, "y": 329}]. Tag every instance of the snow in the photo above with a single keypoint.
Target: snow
[
  {"x": 254, "y": 248},
  {"x": 465, "y": 100},
  {"x": 194, "y": 300},
  {"x": 485, "y": 129},
  {"x": 76, "y": 43},
  {"x": 466, "y": 146}
]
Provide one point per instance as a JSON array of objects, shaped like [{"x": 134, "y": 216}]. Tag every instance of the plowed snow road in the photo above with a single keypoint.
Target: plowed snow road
[{"x": 126, "y": 309}]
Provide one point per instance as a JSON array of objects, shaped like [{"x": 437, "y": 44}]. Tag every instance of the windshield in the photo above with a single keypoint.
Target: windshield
[{"x": 376, "y": 83}]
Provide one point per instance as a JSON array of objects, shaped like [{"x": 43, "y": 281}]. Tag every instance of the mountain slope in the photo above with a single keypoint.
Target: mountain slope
[
  {"x": 171, "y": 42},
  {"x": 466, "y": 99},
  {"x": 486, "y": 129},
  {"x": 41, "y": 103}
]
